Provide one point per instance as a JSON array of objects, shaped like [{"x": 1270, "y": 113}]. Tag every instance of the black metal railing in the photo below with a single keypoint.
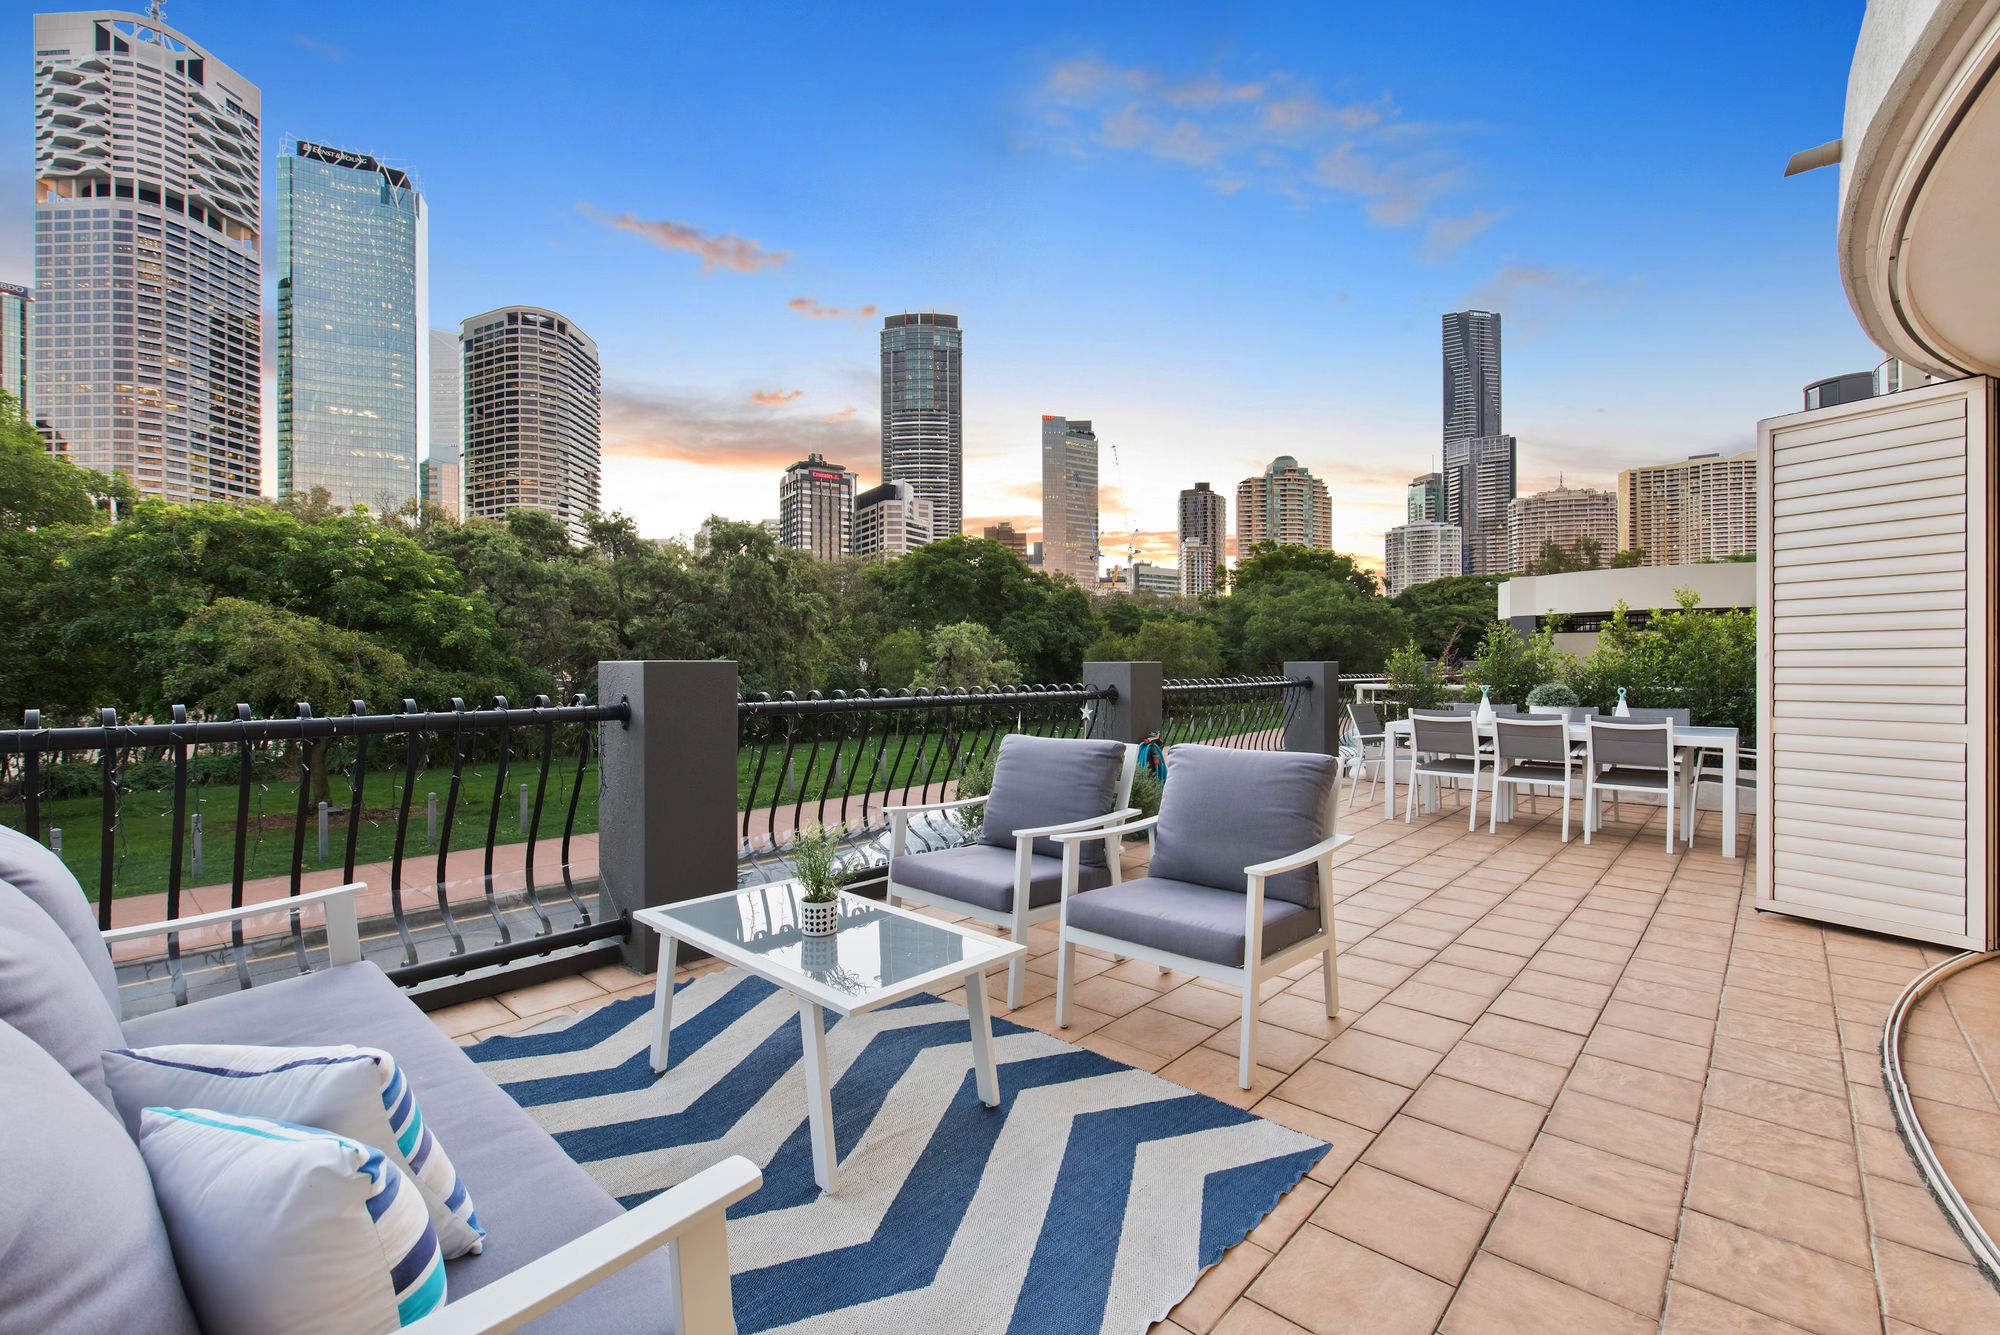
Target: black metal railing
[
  {"x": 186, "y": 771},
  {"x": 838, "y": 760},
  {"x": 1250, "y": 713}
]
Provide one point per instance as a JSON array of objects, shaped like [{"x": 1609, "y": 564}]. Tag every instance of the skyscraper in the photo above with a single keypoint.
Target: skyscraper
[
  {"x": 1203, "y": 532},
  {"x": 1699, "y": 509},
  {"x": 531, "y": 416},
  {"x": 1479, "y": 478},
  {"x": 147, "y": 273},
  {"x": 816, "y": 508},
  {"x": 1471, "y": 375},
  {"x": 923, "y": 422},
  {"x": 17, "y": 306},
  {"x": 1424, "y": 500},
  {"x": 1286, "y": 505},
  {"x": 442, "y": 473},
  {"x": 1562, "y": 516},
  {"x": 353, "y": 337},
  {"x": 1069, "y": 500},
  {"x": 891, "y": 519},
  {"x": 1419, "y": 552}
]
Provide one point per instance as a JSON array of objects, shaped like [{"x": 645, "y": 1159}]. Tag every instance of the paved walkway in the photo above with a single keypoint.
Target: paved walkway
[{"x": 1574, "y": 1088}]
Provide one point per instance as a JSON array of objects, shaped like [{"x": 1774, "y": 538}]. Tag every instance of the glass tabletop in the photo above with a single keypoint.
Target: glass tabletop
[{"x": 875, "y": 949}]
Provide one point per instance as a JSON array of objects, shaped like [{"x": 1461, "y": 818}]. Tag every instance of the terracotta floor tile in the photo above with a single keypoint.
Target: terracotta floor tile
[
  {"x": 1279, "y": 1048},
  {"x": 1777, "y": 1278},
  {"x": 1218, "y": 1288},
  {"x": 1204, "y": 1005},
  {"x": 1692, "y": 1312},
  {"x": 1782, "y": 1207},
  {"x": 1636, "y": 1087},
  {"x": 1348, "y": 1095},
  {"x": 1822, "y": 1161},
  {"x": 1602, "y": 1256},
  {"x": 1501, "y": 1298},
  {"x": 1542, "y": 980},
  {"x": 1299, "y": 1014},
  {"x": 470, "y": 1016},
  {"x": 1419, "y": 1027},
  {"x": 1293, "y": 1209},
  {"x": 1421, "y": 1228},
  {"x": 539, "y": 997},
  {"x": 1503, "y": 1072},
  {"x": 1155, "y": 1031},
  {"x": 1564, "y": 1015},
  {"x": 1399, "y": 1063},
  {"x": 1213, "y": 1073},
  {"x": 1665, "y": 1024},
  {"x": 1825, "y": 1075},
  {"x": 1346, "y": 1140},
  {"x": 1110, "y": 996},
  {"x": 1537, "y": 1042},
  {"x": 1247, "y": 1318},
  {"x": 1474, "y": 1171},
  {"x": 1122, "y": 1052},
  {"x": 1635, "y": 1133},
  {"x": 1770, "y": 1101},
  {"x": 1909, "y": 1215},
  {"x": 1434, "y": 1000},
  {"x": 1149, "y": 976},
  {"x": 1480, "y": 1113},
  {"x": 1688, "y": 1061},
  {"x": 1475, "y": 982},
  {"x": 1378, "y": 1295},
  {"x": 1042, "y": 1015},
  {"x": 1934, "y": 1294},
  {"x": 1608, "y": 1184}
]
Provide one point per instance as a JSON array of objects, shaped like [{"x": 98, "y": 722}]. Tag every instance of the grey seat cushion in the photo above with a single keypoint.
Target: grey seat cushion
[
  {"x": 1195, "y": 920},
  {"x": 1627, "y": 776},
  {"x": 982, "y": 874},
  {"x": 532, "y": 1197},
  {"x": 1224, "y": 810},
  {"x": 1542, "y": 771},
  {"x": 1050, "y": 781},
  {"x": 81, "y": 1243},
  {"x": 41, "y": 876},
  {"x": 47, "y": 993}
]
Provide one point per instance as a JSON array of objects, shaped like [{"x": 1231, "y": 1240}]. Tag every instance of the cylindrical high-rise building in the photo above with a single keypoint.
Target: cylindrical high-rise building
[
  {"x": 923, "y": 420},
  {"x": 1203, "y": 534},
  {"x": 353, "y": 346},
  {"x": 1286, "y": 505},
  {"x": 532, "y": 416},
  {"x": 148, "y": 285}
]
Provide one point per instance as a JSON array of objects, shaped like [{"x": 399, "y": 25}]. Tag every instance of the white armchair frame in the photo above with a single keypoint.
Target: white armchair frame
[
  {"x": 1247, "y": 977},
  {"x": 1017, "y": 919},
  {"x": 688, "y": 1219}
]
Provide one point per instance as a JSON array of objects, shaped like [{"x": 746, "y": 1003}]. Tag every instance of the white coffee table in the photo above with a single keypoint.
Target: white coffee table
[{"x": 877, "y": 956}]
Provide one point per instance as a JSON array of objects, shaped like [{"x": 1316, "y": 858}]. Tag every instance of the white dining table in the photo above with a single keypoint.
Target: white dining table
[{"x": 1687, "y": 741}]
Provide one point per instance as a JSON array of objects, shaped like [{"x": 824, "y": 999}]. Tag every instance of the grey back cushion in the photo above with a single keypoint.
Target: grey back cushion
[
  {"x": 1051, "y": 781},
  {"x": 48, "y": 994},
  {"x": 1223, "y": 810},
  {"x": 42, "y": 877},
  {"x": 83, "y": 1244}
]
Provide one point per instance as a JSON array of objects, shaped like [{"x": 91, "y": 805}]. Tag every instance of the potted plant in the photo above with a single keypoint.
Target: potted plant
[
  {"x": 1553, "y": 697},
  {"x": 815, "y": 851}
]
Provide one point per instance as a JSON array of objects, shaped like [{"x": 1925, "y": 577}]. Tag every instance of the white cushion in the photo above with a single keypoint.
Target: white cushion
[
  {"x": 355, "y": 1092},
  {"x": 289, "y": 1230}
]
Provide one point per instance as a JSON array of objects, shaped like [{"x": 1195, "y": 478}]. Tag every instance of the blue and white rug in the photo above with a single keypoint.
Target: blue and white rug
[{"x": 1091, "y": 1199}]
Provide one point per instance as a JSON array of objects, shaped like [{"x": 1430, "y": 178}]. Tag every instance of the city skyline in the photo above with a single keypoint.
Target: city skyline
[{"x": 736, "y": 304}]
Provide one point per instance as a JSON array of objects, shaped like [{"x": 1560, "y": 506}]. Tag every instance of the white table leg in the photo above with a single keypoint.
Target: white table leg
[
  {"x": 663, "y": 1002},
  {"x": 979, "y": 1016},
  {"x": 1730, "y": 761},
  {"x": 819, "y": 1093},
  {"x": 1389, "y": 782}
]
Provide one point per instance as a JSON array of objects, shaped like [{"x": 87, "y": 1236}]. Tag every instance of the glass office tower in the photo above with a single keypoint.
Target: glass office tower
[
  {"x": 148, "y": 312},
  {"x": 923, "y": 420},
  {"x": 353, "y": 335}
]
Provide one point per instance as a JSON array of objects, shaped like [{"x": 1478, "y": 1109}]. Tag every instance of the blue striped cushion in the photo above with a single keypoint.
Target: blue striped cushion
[
  {"x": 356, "y": 1092},
  {"x": 275, "y": 1226}
]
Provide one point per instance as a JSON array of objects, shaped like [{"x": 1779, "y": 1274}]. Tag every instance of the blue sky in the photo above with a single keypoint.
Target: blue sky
[{"x": 1222, "y": 233}]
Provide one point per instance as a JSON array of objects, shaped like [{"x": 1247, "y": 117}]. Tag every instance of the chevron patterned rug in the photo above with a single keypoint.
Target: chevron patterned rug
[{"x": 1091, "y": 1199}]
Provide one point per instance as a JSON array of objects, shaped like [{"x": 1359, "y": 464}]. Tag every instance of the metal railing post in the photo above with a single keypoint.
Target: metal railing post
[
  {"x": 667, "y": 813},
  {"x": 1137, "y": 710},
  {"x": 1314, "y": 723}
]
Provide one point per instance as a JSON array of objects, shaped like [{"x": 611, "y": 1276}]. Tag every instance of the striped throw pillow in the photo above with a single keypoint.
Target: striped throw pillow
[
  {"x": 275, "y": 1227},
  {"x": 361, "y": 1093}
]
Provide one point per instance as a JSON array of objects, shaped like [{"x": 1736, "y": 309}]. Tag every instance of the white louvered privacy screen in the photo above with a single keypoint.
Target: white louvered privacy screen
[{"x": 1875, "y": 664}]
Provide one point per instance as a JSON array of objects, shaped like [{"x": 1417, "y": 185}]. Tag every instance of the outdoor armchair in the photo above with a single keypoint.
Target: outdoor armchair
[
  {"x": 1240, "y": 885},
  {"x": 1630, "y": 757},
  {"x": 1011, "y": 876},
  {"x": 1531, "y": 753}
]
